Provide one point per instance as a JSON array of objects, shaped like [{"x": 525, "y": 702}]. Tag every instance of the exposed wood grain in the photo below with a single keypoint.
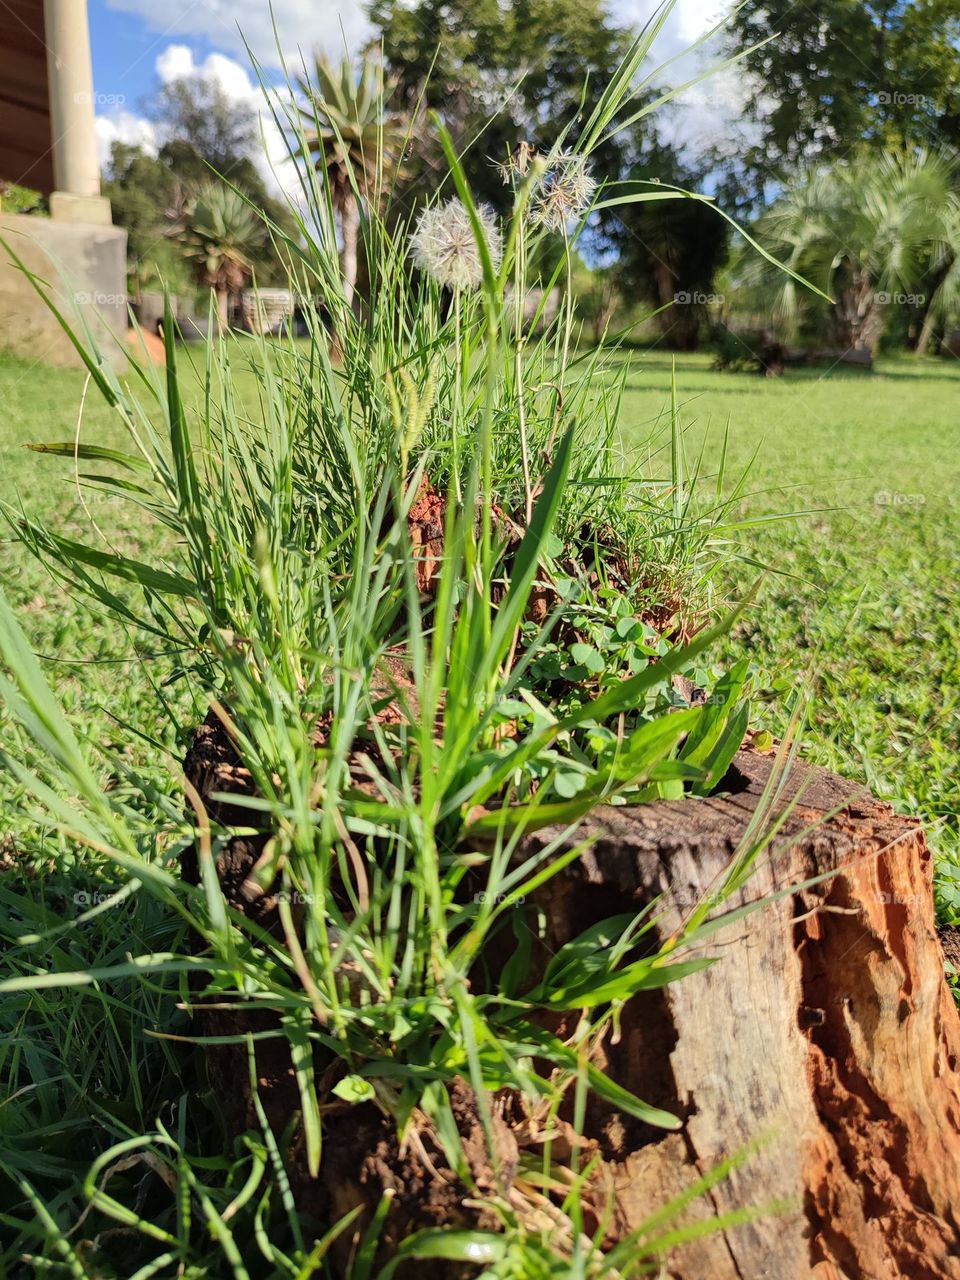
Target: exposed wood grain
[
  {"x": 825, "y": 1032},
  {"x": 826, "y": 1029}
]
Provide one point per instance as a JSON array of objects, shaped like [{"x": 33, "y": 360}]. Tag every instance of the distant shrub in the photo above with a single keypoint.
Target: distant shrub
[{"x": 17, "y": 199}]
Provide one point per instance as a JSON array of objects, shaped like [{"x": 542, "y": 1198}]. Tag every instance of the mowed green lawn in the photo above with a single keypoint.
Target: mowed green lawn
[
  {"x": 863, "y": 593},
  {"x": 861, "y": 598}
]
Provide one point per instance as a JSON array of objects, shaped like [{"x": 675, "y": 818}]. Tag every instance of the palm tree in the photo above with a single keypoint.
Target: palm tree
[
  {"x": 940, "y": 287},
  {"x": 223, "y": 237},
  {"x": 353, "y": 139},
  {"x": 863, "y": 232}
]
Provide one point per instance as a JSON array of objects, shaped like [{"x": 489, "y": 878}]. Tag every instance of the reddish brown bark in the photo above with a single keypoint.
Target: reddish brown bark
[{"x": 826, "y": 1030}]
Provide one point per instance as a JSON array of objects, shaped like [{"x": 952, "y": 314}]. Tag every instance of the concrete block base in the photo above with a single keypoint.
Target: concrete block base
[
  {"x": 85, "y": 266},
  {"x": 94, "y": 210}
]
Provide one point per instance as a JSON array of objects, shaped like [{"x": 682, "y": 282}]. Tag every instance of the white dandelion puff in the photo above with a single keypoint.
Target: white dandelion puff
[
  {"x": 565, "y": 193},
  {"x": 445, "y": 247}
]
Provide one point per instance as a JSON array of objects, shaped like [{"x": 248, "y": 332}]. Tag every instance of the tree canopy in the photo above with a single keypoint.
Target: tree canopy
[
  {"x": 531, "y": 65},
  {"x": 886, "y": 72},
  {"x": 869, "y": 232}
]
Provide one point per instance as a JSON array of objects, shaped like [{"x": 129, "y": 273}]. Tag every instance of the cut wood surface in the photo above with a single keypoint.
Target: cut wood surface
[{"x": 826, "y": 1031}]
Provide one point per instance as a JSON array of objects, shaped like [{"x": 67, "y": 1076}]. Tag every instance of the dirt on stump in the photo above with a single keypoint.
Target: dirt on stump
[{"x": 826, "y": 1033}]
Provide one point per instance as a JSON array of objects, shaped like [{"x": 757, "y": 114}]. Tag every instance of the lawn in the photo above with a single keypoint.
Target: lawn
[
  {"x": 860, "y": 599},
  {"x": 857, "y": 605},
  {"x": 862, "y": 594}
]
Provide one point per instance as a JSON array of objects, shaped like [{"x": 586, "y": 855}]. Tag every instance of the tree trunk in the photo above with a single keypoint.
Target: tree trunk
[
  {"x": 350, "y": 231},
  {"x": 223, "y": 308},
  {"x": 931, "y": 287},
  {"x": 606, "y": 308},
  {"x": 927, "y": 329},
  {"x": 826, "y": 1031},
  {"x": 858, "y": 319},
  {"x": 681, "y": 320}
]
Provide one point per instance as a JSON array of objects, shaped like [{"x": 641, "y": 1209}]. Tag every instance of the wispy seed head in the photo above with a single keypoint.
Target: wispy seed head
[
  {"x": 518, "y": 165},
  {"x": 565, "y": 193},
  {"x": 444, "y": 244}
]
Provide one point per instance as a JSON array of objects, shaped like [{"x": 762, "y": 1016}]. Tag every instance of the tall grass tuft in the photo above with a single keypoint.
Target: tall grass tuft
[{"x": 408, "y": 696}]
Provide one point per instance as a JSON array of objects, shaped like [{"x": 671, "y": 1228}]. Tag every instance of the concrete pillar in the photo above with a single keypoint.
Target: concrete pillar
[
  {"x": 76, "y": 167},
  {"x": 76, "y": 249}
]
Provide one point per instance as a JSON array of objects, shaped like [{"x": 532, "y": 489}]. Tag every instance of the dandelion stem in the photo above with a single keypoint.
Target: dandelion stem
[
  {"x": 567, "y": 327},
  {"x": 520, "y": 289},
  {"x": 456, "y": 415},
  {"x": 524, "y": 447}
]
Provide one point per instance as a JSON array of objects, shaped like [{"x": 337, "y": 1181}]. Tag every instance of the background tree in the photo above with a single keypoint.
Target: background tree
[
  {"x": 202, "y": 132},
  {"x": 851, "y": 70},
  {"x": 670, "y": 251},
  {"x": 222, "y": 237},
  {"x": 352, "y": 135},
  {"x": 146, "y": 197},
  {"x": 863, "y": 232},
  {"x": 194, "y": 109},
  {"x": 524, "y": 62}
]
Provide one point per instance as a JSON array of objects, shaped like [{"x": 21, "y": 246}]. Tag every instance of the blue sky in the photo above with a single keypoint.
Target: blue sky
[
  {"x": 124, "y": 52},
  {"x": 126, "y": 45}
]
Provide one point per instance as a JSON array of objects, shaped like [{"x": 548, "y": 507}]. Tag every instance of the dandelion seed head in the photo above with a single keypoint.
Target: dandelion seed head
[
  {"x": 518, "y": 164},
  {"x": 445, "y": 247},
  {"x": 566, "y": 191}
]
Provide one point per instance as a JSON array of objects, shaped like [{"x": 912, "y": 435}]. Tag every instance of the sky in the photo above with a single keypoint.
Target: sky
[{"x": 138, "y": 45}]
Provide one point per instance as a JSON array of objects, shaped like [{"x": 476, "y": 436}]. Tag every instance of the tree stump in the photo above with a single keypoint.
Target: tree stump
[{"x": 826, "y": 1030}]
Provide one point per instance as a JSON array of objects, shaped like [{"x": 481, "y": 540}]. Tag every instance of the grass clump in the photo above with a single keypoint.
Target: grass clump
[{"x": 430, "y": 610}]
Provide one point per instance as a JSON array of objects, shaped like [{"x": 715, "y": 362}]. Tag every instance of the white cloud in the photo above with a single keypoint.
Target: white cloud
[
  {"x": 301, "y": 24},
  {"x": 178, "y": 61},
  {"x": 711, "y": 115},
  {"x": 123, "y": 126},
  {"x": 688, "y": 21},
  {"x": 174, "y": 63}
]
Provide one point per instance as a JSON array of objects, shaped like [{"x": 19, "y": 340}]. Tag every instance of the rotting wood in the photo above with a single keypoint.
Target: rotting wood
[{"x": 826, "y": 1031}]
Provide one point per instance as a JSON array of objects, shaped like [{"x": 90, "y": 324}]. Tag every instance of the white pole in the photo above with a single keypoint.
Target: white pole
[{"x": 76, "y": 165}]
